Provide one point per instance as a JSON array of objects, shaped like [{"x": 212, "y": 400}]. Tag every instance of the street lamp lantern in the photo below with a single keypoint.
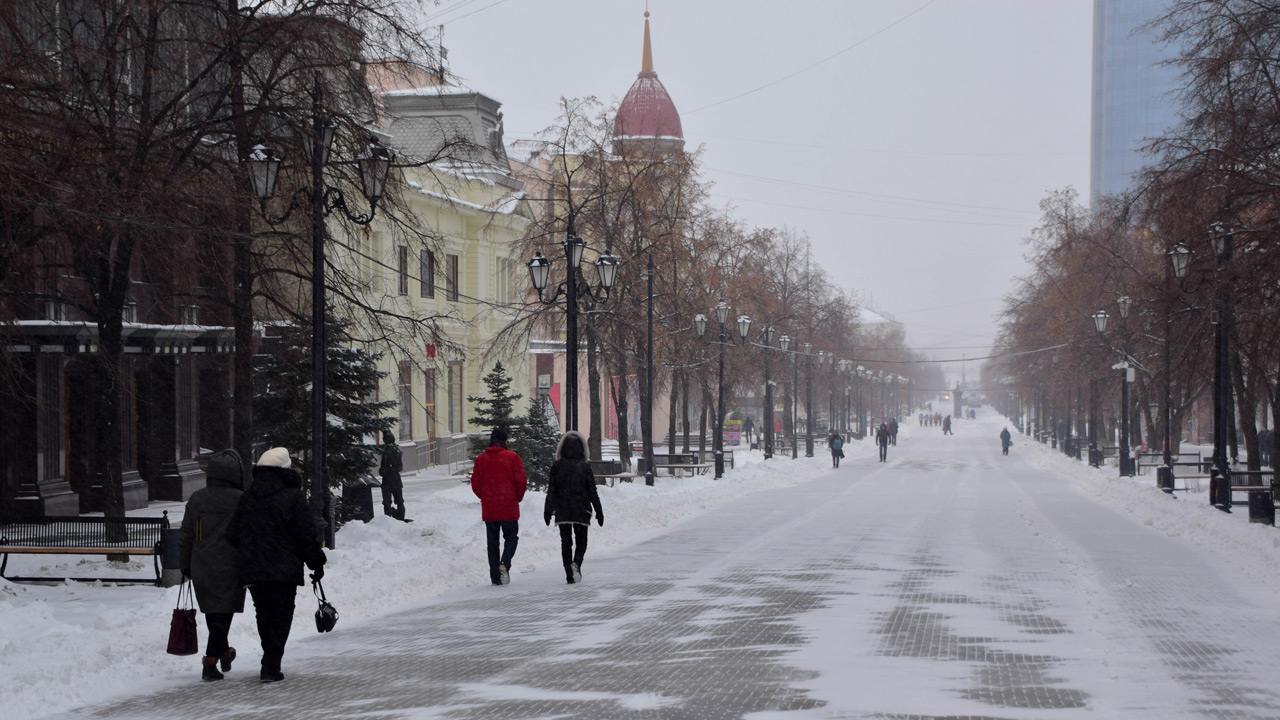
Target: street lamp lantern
[
  {"x": 264, "y": 167},
  {"x": 744, "y": 326},
  {"x": 573, "y": 247},
  {"x": 1218, "y": 233},
  {"x": 1100, "y": 319},
  {"x": 700, "y": 324},
  {"x": 807, "y": 348},
  {"x": 1180, "y": 256},
  {"x": 607, "y": 269},
  {"x": 768, "y": 335},
  {"x": 784, "y": 342},
  {"x": 722, "y": 312},
  {"x": 328, "y": 128},
  {"x": 539, "y": 271},
  {"x": 1125, "y": 302},
  {"x": 373, "y": 172}
]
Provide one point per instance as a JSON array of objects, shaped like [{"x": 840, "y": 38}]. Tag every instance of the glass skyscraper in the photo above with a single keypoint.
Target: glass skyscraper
[{"x": 1133, "y": 94}]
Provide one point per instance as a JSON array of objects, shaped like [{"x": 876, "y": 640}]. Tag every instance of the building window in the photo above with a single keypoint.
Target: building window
[
  {"x": 405, "y": 397},
  {"x": 402, "y": 268},
  {"x": 451, "y": 277},
  {"x": 455, "y": 398},
  {"x": 429, "y": 397},
  {"x": 427, "y": 273}
]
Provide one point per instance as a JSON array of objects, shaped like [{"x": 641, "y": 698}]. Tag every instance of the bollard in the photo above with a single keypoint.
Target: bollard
[
  {"x": 1164, "y": 478},
  {"x": 1262, "y": 509},
  {"x": 1220, "y": 491},
  {"x": 648, "y": 479}
]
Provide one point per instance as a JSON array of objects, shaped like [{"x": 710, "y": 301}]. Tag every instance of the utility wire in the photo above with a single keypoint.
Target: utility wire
[
  {"x": 870, "y": 215},
  {"x": 807, "y": 68}
]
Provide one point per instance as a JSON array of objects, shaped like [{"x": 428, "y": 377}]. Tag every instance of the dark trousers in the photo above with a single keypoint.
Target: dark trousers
[
  {"x": 572, "y": 534},
  {"x": 390, "y": 496},
  {"x": 219, "y": 625},
  {"x": 273, "y": 603},
  {"x": 884, "y": 452},
  {"x": 835, "y": 458},
  {"x": 510, "y": 530},
  {"x": 1005, "y": 448}
]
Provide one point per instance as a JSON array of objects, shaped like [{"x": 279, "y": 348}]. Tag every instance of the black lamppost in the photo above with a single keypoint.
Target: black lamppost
[
  {"x": 573, "y": 284},
  {"x": 744, "y": 327},
  {"x": 767, "y": 334},
  {"x": 784, "y": 342},
  {"x": 1179, "y": 258},
  {"x": 1100, "y": 320},
  {"x": 264, "y": 168},
  {"x": 861, "y": 374},
  {"x": 808, "y": 400},
  {"x": 1220, "y": 236}
]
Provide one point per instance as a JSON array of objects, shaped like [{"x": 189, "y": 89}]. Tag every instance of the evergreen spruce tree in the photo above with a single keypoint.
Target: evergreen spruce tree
[
  {"x": 536, "y": 442},
  {"x": 495, "y": 411},
  {"x": 282, "y": 408}
]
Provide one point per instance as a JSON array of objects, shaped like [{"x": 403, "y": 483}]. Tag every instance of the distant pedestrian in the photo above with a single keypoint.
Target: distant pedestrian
[
  {"x": 946, "y": 425},
  {"x": 205, "y": 556},
  {"x": 836, "y": 443},
  {"x": 1265, "y": 440},
  {"x": 748, "y": 425},
  {"x": 273, "y": 535},
  {"x": 571, "y": 497},
  {"x": 389, "y": 471},
  {"x": 498, "y": 479},
  {"x": 1005, "y": 440},
  {"x": 882, "y": 439},
  {"x": 893, "y": 431}
]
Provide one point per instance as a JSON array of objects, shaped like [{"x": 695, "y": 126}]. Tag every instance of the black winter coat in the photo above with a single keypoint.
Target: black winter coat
[
  {"x": 571, "y": 488},
  {"x": 204, "y": 554},
  {"x": 272, "y": 530},
  {"x": 392, "y": 464}
]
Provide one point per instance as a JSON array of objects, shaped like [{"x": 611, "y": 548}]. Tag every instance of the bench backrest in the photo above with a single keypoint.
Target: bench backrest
[
  {"x": 605, "y": 467},
  {"x": 88, "y": 532}
]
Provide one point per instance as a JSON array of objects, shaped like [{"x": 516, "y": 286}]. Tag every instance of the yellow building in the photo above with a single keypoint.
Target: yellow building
[{"x": 455, "y": 258}]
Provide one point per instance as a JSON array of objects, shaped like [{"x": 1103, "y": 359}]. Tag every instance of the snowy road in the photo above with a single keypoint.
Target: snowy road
[{"x": 949, "y": 582}]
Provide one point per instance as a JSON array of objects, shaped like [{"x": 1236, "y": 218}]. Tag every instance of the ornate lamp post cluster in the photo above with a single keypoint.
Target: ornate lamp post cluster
[
  {"x": 264, "y": 168},
  {"x": 744, "y": 327},
  {"x": 571, "y": 287}
]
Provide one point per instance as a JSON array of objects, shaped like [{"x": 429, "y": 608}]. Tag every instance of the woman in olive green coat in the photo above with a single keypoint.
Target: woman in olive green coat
[{"x": 210, "y": 561}]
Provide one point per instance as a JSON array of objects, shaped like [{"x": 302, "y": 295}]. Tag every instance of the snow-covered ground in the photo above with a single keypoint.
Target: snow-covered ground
[
  {"x": 1023, "y": 546},
  {"x": 74, "y": 644}
]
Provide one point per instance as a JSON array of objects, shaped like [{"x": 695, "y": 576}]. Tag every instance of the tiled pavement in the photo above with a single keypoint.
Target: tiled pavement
[{"x": 948, "y": 583}]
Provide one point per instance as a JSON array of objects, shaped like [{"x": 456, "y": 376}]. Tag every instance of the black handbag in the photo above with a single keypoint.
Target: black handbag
[
  {"x": 326, "y": 614},
  {"x": 182, "y": 627}
]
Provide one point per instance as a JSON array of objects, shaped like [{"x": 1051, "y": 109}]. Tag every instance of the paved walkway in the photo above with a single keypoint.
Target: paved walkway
[{"x": 950, "y": 582}]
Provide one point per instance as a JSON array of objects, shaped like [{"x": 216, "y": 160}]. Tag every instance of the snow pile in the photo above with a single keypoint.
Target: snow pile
[
  {"x": 68, "y": 645},
  {"x": 1246, "y": 547}
]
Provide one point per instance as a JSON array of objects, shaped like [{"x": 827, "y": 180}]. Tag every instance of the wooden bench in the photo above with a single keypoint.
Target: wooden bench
[
  {"x": 611, "y": 478},
  {"x": 74, "y": 535},
  {"x": 693, "y": 468}
]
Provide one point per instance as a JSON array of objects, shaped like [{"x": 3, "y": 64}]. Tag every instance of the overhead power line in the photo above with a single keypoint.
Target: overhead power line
[{"x": 823, "y": 61}]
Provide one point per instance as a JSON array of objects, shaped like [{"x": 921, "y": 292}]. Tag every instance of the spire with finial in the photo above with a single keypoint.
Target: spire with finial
[
  {"x": 647, "y": 119},
  {"x": 646, "y": 63}
]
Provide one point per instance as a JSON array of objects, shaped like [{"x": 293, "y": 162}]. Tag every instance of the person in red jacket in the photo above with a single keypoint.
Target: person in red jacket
[{"x": 499, "y": 481}]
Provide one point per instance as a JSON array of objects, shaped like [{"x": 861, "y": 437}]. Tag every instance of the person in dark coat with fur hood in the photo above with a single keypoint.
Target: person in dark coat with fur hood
[
  {"x": 571, "y": 497},
  {"x": 274, "y": 535},
  {"x": 205, "y": 556}
]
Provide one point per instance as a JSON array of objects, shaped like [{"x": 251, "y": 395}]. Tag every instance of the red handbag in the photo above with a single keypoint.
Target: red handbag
[{"x": 182, "y": 628}]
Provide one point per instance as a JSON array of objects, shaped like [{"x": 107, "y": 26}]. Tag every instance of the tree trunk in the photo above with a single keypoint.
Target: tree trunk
[
  {"x": 684, "y": 412},
  {"x": 619, "y": 390},
  {"x": 1248, "y": 424},
  {"x": 671, "y": 415},
  {"x": 702, "y": 425},
  {"x": 593, "y": 389}
]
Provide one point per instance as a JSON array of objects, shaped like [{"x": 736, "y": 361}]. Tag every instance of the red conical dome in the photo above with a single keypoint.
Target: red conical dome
[{"x": 647, "y": 116}]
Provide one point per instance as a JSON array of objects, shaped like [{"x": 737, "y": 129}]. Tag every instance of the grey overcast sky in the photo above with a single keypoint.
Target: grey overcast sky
[{"x": 911, "y": 140}]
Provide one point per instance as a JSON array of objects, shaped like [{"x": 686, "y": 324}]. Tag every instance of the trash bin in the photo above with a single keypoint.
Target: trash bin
[
  {"x": 170, "y": 565},
  {"x": 359, "y": 498},
  {"x": 1262, "y": 509}
]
